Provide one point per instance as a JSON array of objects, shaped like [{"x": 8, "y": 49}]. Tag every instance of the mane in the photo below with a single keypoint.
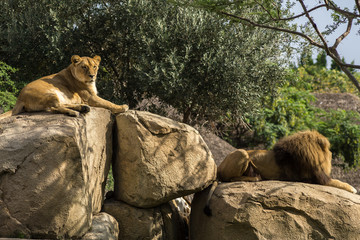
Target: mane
[{"x": 302, "y": 156}]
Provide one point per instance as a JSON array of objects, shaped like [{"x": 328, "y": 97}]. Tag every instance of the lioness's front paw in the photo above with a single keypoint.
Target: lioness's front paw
[
  {"x": 120, "y": 109},
  {"x": 85, "y": 109}
]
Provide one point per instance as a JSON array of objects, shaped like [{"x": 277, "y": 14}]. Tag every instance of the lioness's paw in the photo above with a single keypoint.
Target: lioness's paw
[
  {"x": 120, "y": 109},
  {"x": 85, "y": 109}
]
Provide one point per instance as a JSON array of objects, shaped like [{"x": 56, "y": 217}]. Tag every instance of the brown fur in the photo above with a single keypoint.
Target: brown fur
[
  {"x": 302, "y": 157},
  {"x": 70, "y": 91}
]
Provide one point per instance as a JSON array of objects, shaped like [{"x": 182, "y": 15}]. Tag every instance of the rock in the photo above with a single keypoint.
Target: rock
[
  {"x": 162, "y": 222},
  {"x": 276, "y": 210},
  {"x": 218, "y": 147},
  {"x": 345, "y": 101},
  {"x": 104, "y": 226},
  {"x": 52, "y": 172},
  {"x": 159, "y": 159}
]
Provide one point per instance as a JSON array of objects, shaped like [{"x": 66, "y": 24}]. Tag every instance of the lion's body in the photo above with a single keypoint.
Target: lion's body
[
  {"x": 70, "y": 91},
  {"x": 302, "y": 157}
]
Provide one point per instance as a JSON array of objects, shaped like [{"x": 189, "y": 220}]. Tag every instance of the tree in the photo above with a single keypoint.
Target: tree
[
  {"x": 204, "y": 66},
  {"x": 321, "y": 59},
  {"x": 272, "y": 14}
]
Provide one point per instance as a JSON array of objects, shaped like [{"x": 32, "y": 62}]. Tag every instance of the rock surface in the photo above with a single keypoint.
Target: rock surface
[
  {"x": 162, "y": 222},
  {"x": 104, "y": 226},
  {"x": 218, "y": 147},
  {"x": 159, "y": 159},
  {"x": 52, "y": 173},
  {"x": 276, "y": 210}
]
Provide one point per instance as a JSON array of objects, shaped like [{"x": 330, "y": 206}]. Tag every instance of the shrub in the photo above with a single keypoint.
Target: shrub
[
  {"x": 7, "y": 87},
  {"x": 290, "y": 112},
  {"x": 343, "y": 130}
]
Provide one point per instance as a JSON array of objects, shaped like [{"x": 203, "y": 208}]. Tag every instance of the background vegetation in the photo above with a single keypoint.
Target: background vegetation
[
  {"x": 202, "y": 65},
  {"x": 8, "y": 89},
  {"x": 213, "y": 70},
  {"x": 293, "y": 110}
]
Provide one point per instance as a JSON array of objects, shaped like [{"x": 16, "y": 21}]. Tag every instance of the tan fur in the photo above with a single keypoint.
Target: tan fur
[
  {"x": 302, "y": 157},
  {"x": 70, "y": 91}
]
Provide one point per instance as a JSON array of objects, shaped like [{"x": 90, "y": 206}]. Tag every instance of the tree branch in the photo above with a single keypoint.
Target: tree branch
[
  {"x": 314, "y": 25},
  {"x": 342, "y": 36},
  {"x": 302, "y": 14},
  {"x": 357, "y": 2},
  {"x": 344, "y": 68},
  {"x": 309, "y": 39}
]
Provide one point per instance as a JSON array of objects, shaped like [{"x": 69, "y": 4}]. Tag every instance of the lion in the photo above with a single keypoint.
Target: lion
[
  {"x": 70, "y": 91},
  {"x": 301, "y": 157}
]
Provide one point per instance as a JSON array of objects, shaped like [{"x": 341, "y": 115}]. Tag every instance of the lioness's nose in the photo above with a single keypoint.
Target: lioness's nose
[{"x": 91, "y": 76}]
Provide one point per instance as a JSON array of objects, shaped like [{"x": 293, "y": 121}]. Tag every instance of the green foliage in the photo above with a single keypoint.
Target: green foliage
[
  {"x": 202, "y": 65},
  {"x": 7, "y": 87},
  {"x": 321, "y": 60},
  {"x": 317, "y": 79},
  {"x": 343, "y": 130},
  {"x": 109, "y": 181},
  {"x": 292, "y": 111}
]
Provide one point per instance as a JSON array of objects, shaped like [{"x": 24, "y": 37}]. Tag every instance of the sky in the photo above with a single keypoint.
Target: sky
[{"x": 349, "y": 48}]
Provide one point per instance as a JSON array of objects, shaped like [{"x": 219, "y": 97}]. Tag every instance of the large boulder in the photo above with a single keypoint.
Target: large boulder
[
  {"x": 52, "y": 172},
  {"x": 162, "y": 222},
  {"x": 276, "y": 210},
  {"x": 159, "y": 159}
]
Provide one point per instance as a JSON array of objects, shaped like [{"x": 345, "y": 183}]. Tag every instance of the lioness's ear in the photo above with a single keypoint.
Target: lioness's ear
[
  {"x": 97, "y": 58},
  {"x": 75, "y": 59}
]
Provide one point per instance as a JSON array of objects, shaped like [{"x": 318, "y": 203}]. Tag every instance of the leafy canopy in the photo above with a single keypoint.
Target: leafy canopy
[{"x": 203, "y": 65}]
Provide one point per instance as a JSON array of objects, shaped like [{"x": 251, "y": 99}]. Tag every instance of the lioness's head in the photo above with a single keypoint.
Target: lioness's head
[{"x": 85, "y": 69}]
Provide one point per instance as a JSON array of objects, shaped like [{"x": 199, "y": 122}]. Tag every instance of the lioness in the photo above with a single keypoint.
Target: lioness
[
  {"x": 71, "y": 91},
  {"x": 302, "y": 157}
]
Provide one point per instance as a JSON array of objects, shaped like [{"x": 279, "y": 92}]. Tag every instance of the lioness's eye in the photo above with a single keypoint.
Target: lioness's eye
[
  {"x": 84, "y": 67},
  {"x": 94, "y": 67}
]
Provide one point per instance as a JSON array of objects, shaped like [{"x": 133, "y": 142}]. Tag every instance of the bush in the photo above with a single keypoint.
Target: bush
[
  {"x": 343, "y": 130},
  {"x": 290, "y": 112},
  {"x": 7, "y": 87}
]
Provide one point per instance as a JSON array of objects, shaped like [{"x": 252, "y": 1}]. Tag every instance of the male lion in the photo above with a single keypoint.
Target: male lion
[
  {"x": 302, "y": 157},
  {"x": 71, "y": 91}
]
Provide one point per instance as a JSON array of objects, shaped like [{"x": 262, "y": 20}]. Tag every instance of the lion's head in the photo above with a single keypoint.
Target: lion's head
[{"x": 85, "y": 69}]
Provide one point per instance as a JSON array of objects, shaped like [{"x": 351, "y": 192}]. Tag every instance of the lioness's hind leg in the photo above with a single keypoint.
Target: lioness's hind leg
[{"x": 339, "y": 184}]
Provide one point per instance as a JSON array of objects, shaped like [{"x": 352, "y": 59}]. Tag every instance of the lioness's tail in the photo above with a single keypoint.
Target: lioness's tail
[
  {"x": 18, "y": 108},
  {"x": 207, "y": 209}
]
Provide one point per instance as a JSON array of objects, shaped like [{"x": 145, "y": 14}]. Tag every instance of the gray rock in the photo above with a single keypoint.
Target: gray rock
[
  {"x": 276, "y": 210},
  {"x": 52, "y": 172},
  {"x": 163, "y": 222},
  {"x": 159, "y": 159}
]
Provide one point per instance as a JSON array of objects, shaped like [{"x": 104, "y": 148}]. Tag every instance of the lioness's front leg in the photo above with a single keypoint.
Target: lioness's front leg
[
  {"x": 83, "y": 108},
  {"x": 96, "y": 101}
]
